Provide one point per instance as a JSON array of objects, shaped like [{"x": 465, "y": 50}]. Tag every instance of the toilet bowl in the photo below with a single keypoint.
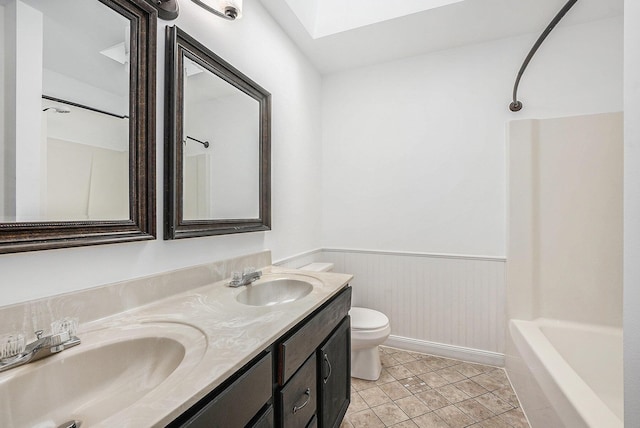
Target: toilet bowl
[{"x": 369, "y": 328}]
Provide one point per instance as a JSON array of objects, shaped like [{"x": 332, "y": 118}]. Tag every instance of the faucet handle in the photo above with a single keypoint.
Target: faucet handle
[
  {"x": 249, "y": 270},
  {"x": 11, "y": 345},
  {"x": 67, "y": 325}
]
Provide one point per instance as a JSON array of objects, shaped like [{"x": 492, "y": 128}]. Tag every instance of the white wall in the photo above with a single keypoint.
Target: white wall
[
  {"x": 414, "y": 174},
  {"x": 414, "y": 150},
  {"x": 632, "y": 213},
  {"x": 259, "y": 48}
]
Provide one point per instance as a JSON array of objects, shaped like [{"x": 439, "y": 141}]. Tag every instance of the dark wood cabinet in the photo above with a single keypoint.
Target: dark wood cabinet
[
  {"x": 334, "y": 383},
  {"x": 238, "y": 402},
  {"x": 301, "y": 380}
]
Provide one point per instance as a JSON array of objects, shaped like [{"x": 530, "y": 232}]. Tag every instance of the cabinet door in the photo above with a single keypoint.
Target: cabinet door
[{"x": 334, "y": 360}]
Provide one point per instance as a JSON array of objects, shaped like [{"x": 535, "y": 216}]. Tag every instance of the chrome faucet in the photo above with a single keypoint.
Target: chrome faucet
[
  {"x": 40, "y": 348},
  {"x": 250, "y": 274}
]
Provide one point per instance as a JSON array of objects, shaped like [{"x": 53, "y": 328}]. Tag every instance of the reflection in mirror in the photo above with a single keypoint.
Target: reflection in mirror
[
  {"x": 64, "y": 162},
  {"x": 72, "y": 140},
  {"x": 228, "y": 121},
  {"x": 218, "y": 145}
]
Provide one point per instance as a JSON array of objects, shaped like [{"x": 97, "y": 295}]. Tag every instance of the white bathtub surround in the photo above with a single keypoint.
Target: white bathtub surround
[
  {"x": 442, "y": 304},
  {"x": 564, "y": 267},
  {"x": 567, "y": 374}
]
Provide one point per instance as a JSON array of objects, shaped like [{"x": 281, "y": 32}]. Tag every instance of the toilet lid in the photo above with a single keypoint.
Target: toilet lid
[{"x": 366, "y": 319}]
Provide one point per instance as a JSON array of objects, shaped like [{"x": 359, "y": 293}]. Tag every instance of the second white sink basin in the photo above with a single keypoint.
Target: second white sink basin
[{"x": 274, "y": 292}]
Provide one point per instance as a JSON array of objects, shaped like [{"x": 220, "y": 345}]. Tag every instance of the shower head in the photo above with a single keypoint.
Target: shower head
[{"x": 57, "y": 109}]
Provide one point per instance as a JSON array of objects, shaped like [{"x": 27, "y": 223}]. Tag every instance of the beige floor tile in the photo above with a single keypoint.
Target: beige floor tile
[
  {"x": 361, "y": 384},
  {"x": 493, "y": 403},
  {"x": 405, "y": 424},
  {"x": 499, "y": 375},
  {"x": 475, "y": 410},
  {"x": 415, "y": 385},
  {"x": 507, "y": 394},
  {"x": 494, "y": 422},
  {"x": 439, "y": 363},
  {"x": 346, "y": 424},
  {"x": 470, "y": 388},
  {"x": 425, "y": 391},
  {"x": 385, "y": 377},
  {"x": 515, "y": 418},
  {"x": 374, "y": 396},
  {"x": 430, "y": 420},
  {"x": 404, "y": 357},
  {"x": 433, "y": 379},
  {"x": 399, "y": 372},
  {"x": 467, "y": 369},
  {"x": 395, "y": 390},
  {"x": 387, "y": 360},
  {"x": 454, "y": 417},
  {"x": 488, "y": 382},
  {"x": 357, "y": 403},
  {"x": 452, "y": 394},
  {"x": 451, "y": 375},
  {"x": 433, "y": 399},
  {"x": 412, "y": 406},
  {"x": 418, "y": 367},
  {"x": 365, "y": 419},
  {"x": 390, "y": 414}
]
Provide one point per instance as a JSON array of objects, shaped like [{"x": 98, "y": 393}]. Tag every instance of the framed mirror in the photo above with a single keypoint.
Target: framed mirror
[
  {"x": 218, "y": 145},
  {"x": 77, "y": 123}
]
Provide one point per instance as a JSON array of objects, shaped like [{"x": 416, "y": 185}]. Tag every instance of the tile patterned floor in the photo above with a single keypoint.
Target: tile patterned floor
[{"x": 419, "y": 390}]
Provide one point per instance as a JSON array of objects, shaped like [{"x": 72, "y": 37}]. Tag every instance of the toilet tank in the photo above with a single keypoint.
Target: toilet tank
[{"x": 318, "y": 267}]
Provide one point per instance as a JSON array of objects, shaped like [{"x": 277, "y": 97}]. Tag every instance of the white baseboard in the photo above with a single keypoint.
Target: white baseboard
[{"x": 448, "y": 351}]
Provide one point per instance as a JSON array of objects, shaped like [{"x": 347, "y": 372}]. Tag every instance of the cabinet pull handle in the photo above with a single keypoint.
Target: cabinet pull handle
[
  {"x": 326, "y": 359},
  {"x": 308, "y": 394}
]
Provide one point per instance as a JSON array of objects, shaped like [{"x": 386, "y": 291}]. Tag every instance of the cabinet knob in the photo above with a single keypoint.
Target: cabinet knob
[{"x": 308, "y": 394}]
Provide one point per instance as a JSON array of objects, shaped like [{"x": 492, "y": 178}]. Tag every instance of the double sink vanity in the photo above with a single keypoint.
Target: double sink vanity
[{"x": 183, "y": 349}]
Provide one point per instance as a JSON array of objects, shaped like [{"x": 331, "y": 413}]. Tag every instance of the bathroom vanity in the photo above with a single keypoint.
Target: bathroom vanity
[
  {"x": 301, "y": 380},
  {"x": 183, "y": 349}
]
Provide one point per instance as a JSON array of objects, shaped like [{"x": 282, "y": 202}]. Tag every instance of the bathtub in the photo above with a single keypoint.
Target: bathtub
[{"x": 567, "y": 374}]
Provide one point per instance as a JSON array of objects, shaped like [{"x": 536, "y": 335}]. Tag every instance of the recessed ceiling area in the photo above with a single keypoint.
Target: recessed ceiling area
[
  {"x": 325, "y": 17},
  {"x": 390, "y": 30}
]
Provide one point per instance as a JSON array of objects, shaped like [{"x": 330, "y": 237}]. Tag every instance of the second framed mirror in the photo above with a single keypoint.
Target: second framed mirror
[{"x": 218, "y": 144}]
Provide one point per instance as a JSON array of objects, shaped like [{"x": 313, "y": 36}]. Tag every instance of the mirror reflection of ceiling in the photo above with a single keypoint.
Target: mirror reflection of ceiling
[
  {"x": 75, "y": 32},
  {"x": 343, "y": 34},
  {"x": 204, "y": 85}
]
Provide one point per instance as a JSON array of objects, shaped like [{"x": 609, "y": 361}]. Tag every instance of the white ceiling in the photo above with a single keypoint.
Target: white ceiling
[{"x": 448, "y": 26}]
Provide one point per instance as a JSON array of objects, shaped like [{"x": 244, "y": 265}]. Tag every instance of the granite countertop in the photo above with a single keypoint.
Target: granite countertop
[{"x": 224, "y": 334}]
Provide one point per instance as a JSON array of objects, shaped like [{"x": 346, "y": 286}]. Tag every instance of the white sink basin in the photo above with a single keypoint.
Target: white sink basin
[
  {"x": 108, "y": 372},
  {"x": 274, "y": 292}
]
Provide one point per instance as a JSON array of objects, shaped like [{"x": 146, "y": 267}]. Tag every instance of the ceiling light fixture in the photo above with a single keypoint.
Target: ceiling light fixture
[{"x": 227, "y": 9}]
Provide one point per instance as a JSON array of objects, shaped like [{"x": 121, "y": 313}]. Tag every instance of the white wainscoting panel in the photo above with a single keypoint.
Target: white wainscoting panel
[{"x": 449, "y": 305}]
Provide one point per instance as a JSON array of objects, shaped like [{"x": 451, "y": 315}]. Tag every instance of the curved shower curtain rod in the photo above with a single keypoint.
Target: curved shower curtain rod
[{"x": 517, "y": 105}]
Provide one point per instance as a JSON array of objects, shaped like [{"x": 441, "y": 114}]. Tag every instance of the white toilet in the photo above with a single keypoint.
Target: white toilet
[{"x": 369, "y": 328}]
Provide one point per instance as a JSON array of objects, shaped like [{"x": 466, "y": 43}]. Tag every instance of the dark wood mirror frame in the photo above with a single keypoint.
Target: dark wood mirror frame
[
  {"x": 141, "y": 225},
  {"x": 178, "y": 46}
]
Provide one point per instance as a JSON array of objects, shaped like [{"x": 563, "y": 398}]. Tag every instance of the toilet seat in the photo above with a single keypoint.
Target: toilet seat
[{"x": 367, "y": 319}]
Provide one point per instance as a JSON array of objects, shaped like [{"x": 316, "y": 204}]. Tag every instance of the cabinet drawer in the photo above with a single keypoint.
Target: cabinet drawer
[
  {"x": 296, "y": 349},
  {"x": 298, "y": 399},
  {"x": 237, "y": 404}
]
